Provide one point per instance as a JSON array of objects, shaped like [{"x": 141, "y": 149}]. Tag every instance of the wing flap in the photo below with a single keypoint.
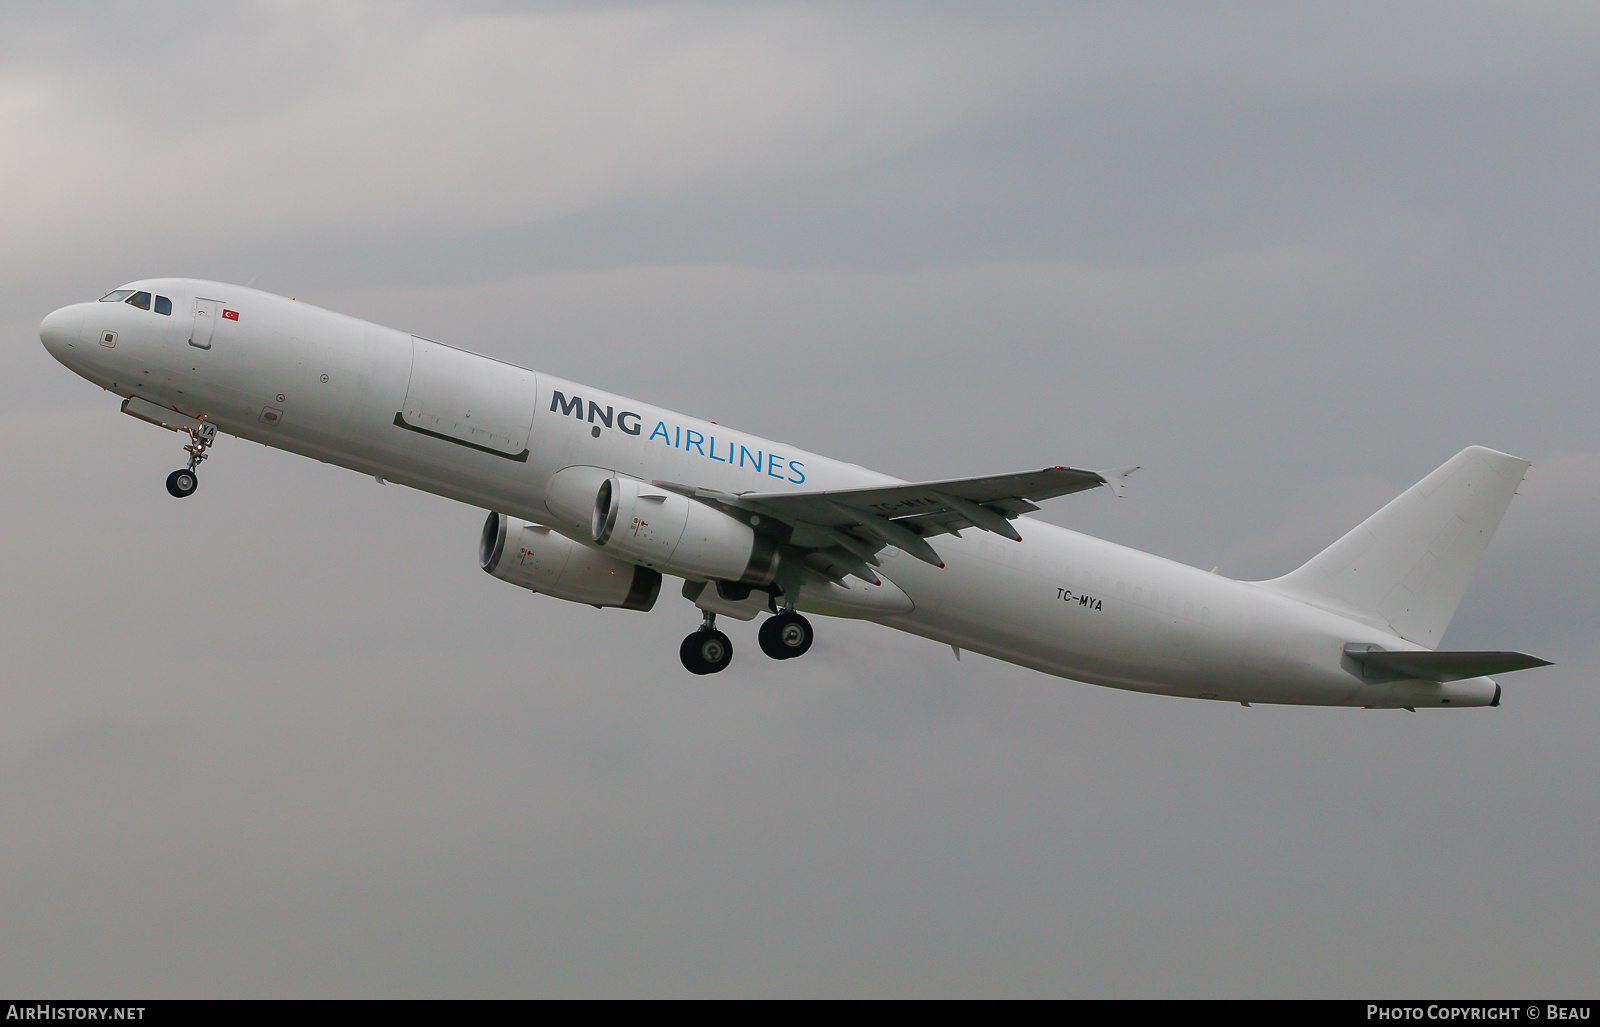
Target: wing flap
[
  {"x": 856, "y": 523},
  {"x": 931, "y": 497}
]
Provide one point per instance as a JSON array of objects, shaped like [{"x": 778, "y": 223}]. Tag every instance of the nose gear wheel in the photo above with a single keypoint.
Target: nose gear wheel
[{"x": 183, "y": 482}]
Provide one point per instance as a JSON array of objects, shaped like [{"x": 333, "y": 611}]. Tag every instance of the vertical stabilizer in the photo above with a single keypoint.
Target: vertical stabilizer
[{"x": 1408, "y": 565}]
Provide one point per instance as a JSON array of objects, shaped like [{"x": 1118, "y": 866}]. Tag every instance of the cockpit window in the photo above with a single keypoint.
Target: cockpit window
[
  {"x": 116, "y": 296},
  {"x": 140, "y": 300},
  {"x": 163, "y": 306}
]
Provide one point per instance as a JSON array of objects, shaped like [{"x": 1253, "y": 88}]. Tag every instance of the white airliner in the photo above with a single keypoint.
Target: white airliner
[{"x": 594, "y": 497}]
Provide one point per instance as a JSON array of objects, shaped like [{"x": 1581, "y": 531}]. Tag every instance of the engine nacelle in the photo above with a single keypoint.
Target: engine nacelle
[
  {"x": 544, "y": 560},
  {"x": 679, "y": 535}
]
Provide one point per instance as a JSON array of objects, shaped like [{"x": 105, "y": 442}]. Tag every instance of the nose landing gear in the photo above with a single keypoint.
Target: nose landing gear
[
  {"x": 707, "y": 650},
  {"x": 183, "y": 482}
]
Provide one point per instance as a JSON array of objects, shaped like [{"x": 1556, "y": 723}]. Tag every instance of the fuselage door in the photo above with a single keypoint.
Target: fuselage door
[{"x": 205, "y": 322}]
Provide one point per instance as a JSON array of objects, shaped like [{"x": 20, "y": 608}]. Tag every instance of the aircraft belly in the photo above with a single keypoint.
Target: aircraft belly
[
  {"x": 1007, "y": 599},
  {"x": 1088, "y": 610}
]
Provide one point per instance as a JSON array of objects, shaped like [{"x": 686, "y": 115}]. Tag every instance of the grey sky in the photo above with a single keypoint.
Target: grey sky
[{"x": 287, "y": 739}]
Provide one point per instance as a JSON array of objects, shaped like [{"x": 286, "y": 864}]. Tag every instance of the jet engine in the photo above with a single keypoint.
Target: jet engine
[
  {"x": 679, "y": 535},
  {"x": 543, "y": 560}
]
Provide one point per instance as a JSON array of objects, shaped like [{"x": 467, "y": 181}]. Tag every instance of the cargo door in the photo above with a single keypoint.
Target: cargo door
[{"x": 469, "y": 399}]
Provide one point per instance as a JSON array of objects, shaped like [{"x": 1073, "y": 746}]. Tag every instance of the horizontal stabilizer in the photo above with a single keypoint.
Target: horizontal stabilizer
[{"x": 1442, "y": 666}]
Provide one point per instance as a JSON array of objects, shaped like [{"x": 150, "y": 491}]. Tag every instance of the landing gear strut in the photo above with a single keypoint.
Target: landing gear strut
[
  {"x": 183, "y": 482},
  {"x": 785, "y": 636},
  {"x": 707, "y": 650}
]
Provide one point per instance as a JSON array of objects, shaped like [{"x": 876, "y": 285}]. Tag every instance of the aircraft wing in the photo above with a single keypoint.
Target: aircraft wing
[{"x": 844, "y": 528}]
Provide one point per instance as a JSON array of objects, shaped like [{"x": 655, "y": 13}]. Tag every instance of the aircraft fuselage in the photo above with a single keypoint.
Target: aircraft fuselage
[{"x": 387, "y": 404}]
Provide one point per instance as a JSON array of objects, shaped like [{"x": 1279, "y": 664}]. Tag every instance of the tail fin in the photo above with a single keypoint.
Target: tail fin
[{"x": 1408, "y": 565}]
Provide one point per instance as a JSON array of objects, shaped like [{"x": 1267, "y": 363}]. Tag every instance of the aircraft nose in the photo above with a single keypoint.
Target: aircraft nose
[{"x": 60, "y": 331}]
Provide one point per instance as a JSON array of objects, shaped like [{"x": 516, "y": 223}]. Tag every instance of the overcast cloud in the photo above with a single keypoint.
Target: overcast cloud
[{"x": 285, "y": 739}]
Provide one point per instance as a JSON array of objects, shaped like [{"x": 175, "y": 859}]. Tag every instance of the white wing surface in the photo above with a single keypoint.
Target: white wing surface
[{"x": 843, "y": 529}]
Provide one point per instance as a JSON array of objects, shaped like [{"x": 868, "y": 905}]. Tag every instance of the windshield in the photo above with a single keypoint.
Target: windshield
[{"x": 141, "y": 299}]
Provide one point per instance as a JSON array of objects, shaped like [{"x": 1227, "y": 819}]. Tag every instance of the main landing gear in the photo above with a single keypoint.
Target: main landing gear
[
  {"x": 707, "y": 650},
  {"x": 782, "y": 637},
  {"x": 183, "y": 482},
  {"x": 785, "y": 636}
]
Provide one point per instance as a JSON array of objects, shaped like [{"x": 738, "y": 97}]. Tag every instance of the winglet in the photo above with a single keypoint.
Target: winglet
[{"x": 1117, "y": 481}]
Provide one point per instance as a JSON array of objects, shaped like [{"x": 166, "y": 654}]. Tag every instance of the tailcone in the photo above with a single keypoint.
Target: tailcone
[{"x": 1415, "y": 694}]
